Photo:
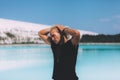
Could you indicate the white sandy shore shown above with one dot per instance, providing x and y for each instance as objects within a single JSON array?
[{"x": 12, "y": 31}]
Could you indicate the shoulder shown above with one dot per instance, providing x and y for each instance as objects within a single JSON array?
[
  {"x": 70, "y": 45},
  {"x": 69, "y": 42}
]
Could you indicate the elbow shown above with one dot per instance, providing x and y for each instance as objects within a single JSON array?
[
  {"x": 39, "y": 33},
  {"x": 77, "y": 33}
]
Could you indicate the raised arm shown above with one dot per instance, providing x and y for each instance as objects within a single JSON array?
[
  {"x": 44, "y": 35},
  {"x": 75, "y": 35}
]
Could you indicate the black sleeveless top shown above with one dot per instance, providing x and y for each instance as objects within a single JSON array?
[{"x": 65, "y": 57}]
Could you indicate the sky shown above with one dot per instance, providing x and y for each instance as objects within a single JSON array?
[{"x": 101, "y": 16}]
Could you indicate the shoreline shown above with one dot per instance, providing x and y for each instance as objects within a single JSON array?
[
  {"x": 48, "y": 45},
  {"x": 100, "y": 43}
]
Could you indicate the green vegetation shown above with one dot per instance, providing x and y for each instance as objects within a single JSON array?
[{"x": 101, "y": 38}]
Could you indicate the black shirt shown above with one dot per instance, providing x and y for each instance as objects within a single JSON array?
[{"x": 65, "y": 57}]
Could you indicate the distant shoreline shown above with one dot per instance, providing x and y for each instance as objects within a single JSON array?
[
  {"x": 46, "y": 44},
  {"x": 99, "y": 43}
]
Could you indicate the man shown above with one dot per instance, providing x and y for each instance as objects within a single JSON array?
[{"x": 64, "y": 50}]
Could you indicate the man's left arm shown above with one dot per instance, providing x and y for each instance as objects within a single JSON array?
[{"x": 75, "y": 35}]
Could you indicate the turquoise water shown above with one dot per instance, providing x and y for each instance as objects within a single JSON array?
[{"x": 35, "y": 62}]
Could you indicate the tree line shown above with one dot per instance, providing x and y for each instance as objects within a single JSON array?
[{"x": 101, "y": 38}]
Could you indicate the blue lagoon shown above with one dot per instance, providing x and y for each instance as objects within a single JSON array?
[{"x": 35, "y": 62}]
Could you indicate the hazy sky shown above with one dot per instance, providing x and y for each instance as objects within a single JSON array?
[{"x": 102, "y": 16}]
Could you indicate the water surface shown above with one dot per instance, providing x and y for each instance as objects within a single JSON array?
[{"x": 35, "y": 62}]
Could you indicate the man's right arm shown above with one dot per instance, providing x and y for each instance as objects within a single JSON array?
[{"x": 44, "y": 35}]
